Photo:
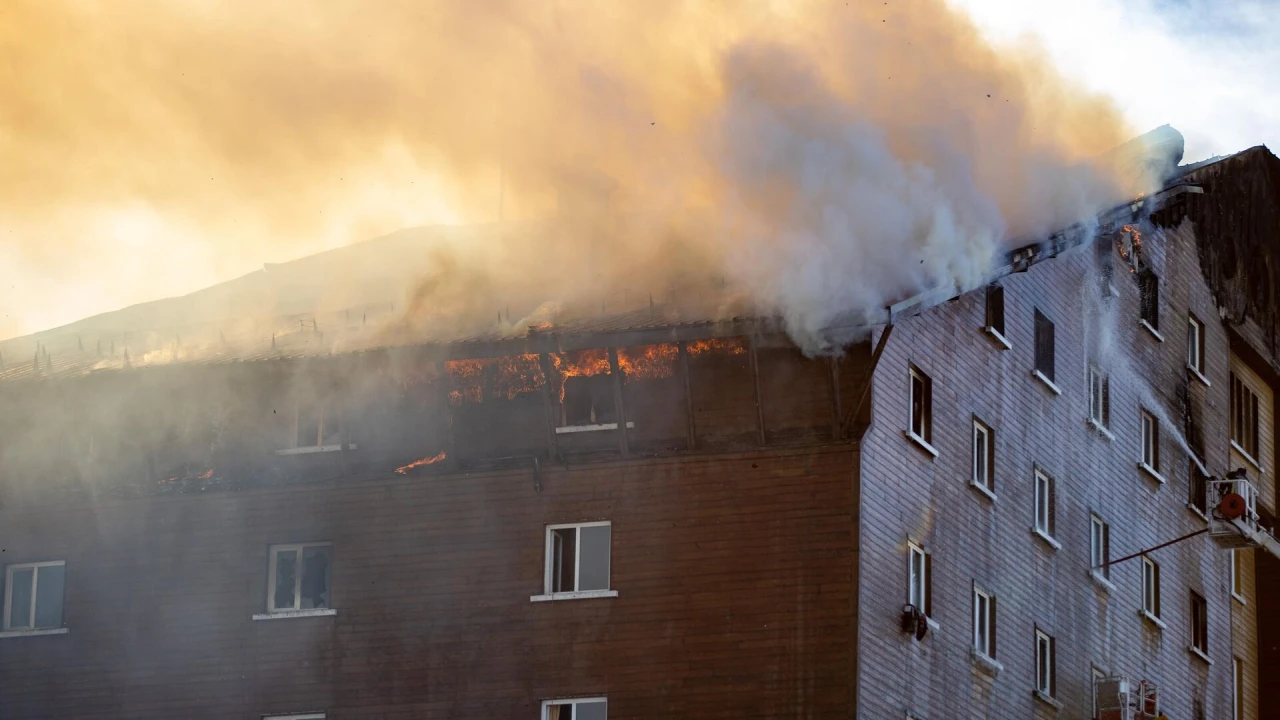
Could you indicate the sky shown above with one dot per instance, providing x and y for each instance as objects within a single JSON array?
[{"x": 1200, "y": 65}]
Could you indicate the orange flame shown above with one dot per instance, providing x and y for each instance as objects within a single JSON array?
[
  {"x": 419, "y": 463},
  {"x": 467, "y": 377},
  {"x": 731, "y": 346},
  {"x": 508, "y": 377},
  {"x": 584, "y": 363},
  {"x": 648, "y": 362},
  {"x": 1133, "y": 250},
  {"x": 519, "y": 374},
  {"x": 202, "y": 476}
]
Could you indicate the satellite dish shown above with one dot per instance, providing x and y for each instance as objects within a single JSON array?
[{"x": 1232, "y": 506}]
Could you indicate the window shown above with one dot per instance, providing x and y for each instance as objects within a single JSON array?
[
  {"x": 921, "y": 405},
  {"x": 1095, "y": 675},
  {"x": 588, "y": 400},
  {"x": 1045, "y": 681},
  {"x": 1197, "y": 488},
  {"x": 1099, "y": 546},
  {"x": 984, "y": 456},
  {"x": 984, "y": 622},
  {"x": 1149, "y": 291},
  {"x": 1150, "y": 442},
  {"x": 919, "y": 589},
  {"x": 299, "y": 577},
  {"x": 1237, "y": 582},
  {"x": 1195, "y": 344},
  {"x": 1099, "y": 397},
  {"x": 1244, "y": 417},
  {"x": 1199, "y": 623},
  {"x": 315, "y": 424},
  {"x": 1150, "y": 587},
  {"x": 578, "y": 709},
  {"x": 33, "y": 595},
  {"x": 1044, "y": 346},
  {"x": 578, "y": 558},
  {"x": 995, "y": 309},
  {"x": 1237, "y": 687},
  {"x": 304, "y": 716},
  {"x": 1044, "y": 503}
]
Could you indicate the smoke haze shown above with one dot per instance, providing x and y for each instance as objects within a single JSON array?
[{"x": 820, "y": 158}]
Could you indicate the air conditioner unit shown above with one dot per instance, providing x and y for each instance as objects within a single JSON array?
[
  {"x": 1118, "y": 698},
  {"x": 1233, "y": 512}
]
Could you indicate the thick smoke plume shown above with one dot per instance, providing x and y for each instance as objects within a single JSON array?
[{"x": 810, "y": 159}]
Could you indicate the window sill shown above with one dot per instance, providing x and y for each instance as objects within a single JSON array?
[
  {"x": 1152, "y": 619},
  {"x": 1100, "y": 429},
  {"x": 583, "y": 595},
  {"x": 287, "y": 614},
  {"x": 984, "y": 490},
  {"x": 1102, "y": 582},
  {"x": 1047, "y": 699},
  {"x": 1200, "y": 654},
  {"x": 1155, "y": 474},
  {"x": 314, "y": 449},
  {"x": 1200, "y": 376},
  {"x": 1197, "y": 512},
  {"x": 33, "y": 632},
  {"x": 924, "y": 444},
  {"x": 1239, "y": 598},
  {"x": 989, "y": 665},
  {"x": 1252, "y": 461},
  {"x": 1045, "y": 537},
  {"x": 591, "y": 428},
  {"x": 997, "y": 337},
  {"x": 1047, "y": 382},
  {"x": 1153, "y": 331}
]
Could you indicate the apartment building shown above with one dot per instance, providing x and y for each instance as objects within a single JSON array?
[{"x": 643, "y": 514}]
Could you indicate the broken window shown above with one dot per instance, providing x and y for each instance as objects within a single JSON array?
[
  {"x": 1197, "y": 487},
  {"x": 921, "y": 405},
  {"x": 995, "y": 309},
  {"x": 578, "y": 558},
  {"x": 315, "y": 425},
  {"x": 33, "y": 595},
  {"x": 299, "y": 577},
  {"x": 1044, "y": 345},
  {"x": 1199, "y": 622},
  {"x": 1149, "y": 291},
  {"x": 576, "y": 709},
  {"x": 588, "y": 400},
  {"x": 918, "y": 588}
]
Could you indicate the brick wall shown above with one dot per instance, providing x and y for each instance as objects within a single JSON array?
[
  {"x": 907, "y": 494},
  {"x": 734, "y": 575}
]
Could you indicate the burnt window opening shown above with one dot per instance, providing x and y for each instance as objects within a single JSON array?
[
  {"x": 588, "y": 400},
  {"x": 299, "y": 577},
  {"x": 1197, "y": 488},
  {"x": 1244, "y": 417},
  {"x": 1199, "y": 622},
  {"x": 1149, "y": 293},
  {"x": 315, "y": 424},
  {"x": 995, "y": 309},
  {"x": 1195, "y": 345},
  {"x": 1106, "y": 270},
  {"x": 1044, "y": 345}
]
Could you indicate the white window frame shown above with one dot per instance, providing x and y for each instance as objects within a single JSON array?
[
  {"x": 925, "y": 436},
  {"x": 984, "y": 481},
  {"x": 1099, "y": 549},
  {"x": 1195, "y": 345},
  {"x": 1043, "y": 493},
  {"x": 1150, "y": 434},
  {"x": 1099, "y": 402},
  {"x": 548, "y": 565},
  {"x": 1237, "y": 589},
  {"x": 35, "y": 594},
  {"x": 918, "y": 582},
  {"x": 1204, "y": 603},
  {"x": 982, "y": 604},
  {"x": 1247, "y": 426},
  {"x": 326, "y": 409},
  {"x": 297, "y": 579},
  {"x": 1044, "y": 663},
  {"x": 574, "y": 702},
  {"x": 1150, "y": 587}
]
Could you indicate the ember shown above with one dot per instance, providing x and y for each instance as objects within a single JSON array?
[
  {"x": 732, "y": 346},
  {"x": 648, "y": 362},
  {"x": 419, "y": 463},
  {"x": 1129, "y": 243}
]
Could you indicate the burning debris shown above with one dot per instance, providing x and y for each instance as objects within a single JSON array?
[
  {"x": 729, "y": 346},
  {"x": 648, "y": 362},
  {"x": 404, "y": 470},
  {"x": 507, "y": 378}
]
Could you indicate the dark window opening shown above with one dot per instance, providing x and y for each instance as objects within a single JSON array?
[
  {"x": 1199, "y": 623},
  {"x": 1149, "y": 290},
  {"x": 589, "y": 400},
  {"x": 1197, "y": 486},
  {"x": 921, "y": 405},
  {"x": 1044, "y": 345},
  {"x": 995, "y": 308},
  {"x": 315, "y": 425},
  {"x": 1244, "y": 417},
  {"x": 579, "y": 558},
  {"x": 301, "y": 577}
]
